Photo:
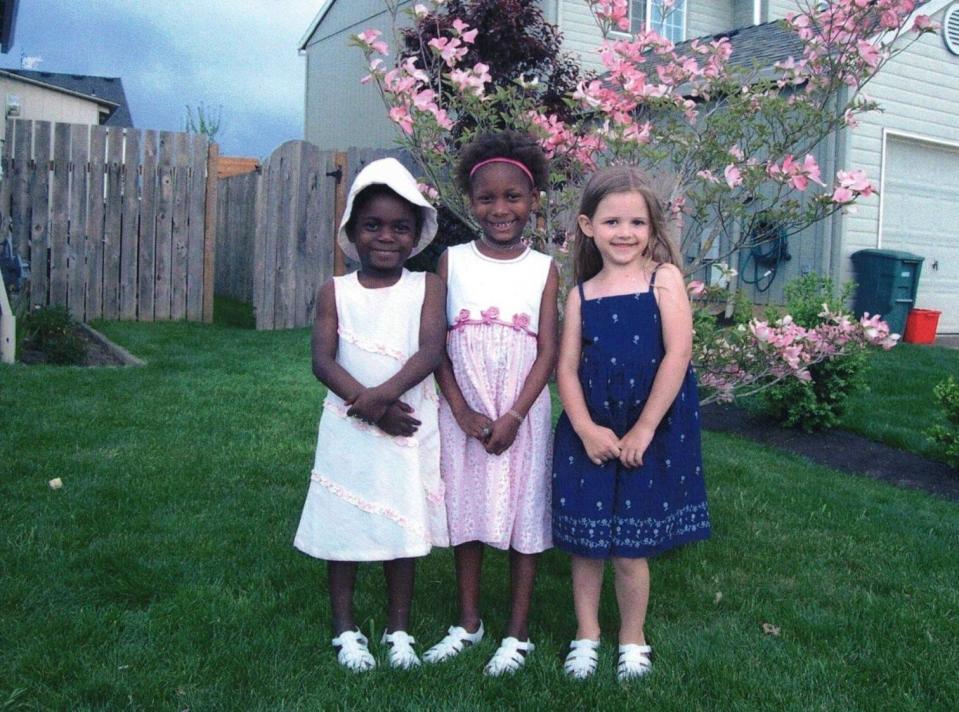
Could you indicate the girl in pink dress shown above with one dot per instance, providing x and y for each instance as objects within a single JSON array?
[{"x": 495, "y": 411}]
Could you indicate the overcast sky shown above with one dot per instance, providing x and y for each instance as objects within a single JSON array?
[{"x": 238, "y": 54}]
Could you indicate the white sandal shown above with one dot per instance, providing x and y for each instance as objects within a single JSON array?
[
  {"x": 353, "y": 652},
  {"x": 582, "y": 659},
  {"x": 455, "y": 641},
  {"x": 634, "y": 661},
  {"x": 509, "y": 657},
  {"x": 402, "y": 655}
]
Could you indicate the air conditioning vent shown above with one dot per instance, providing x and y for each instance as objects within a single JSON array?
[{"x": 950, "y": 28}]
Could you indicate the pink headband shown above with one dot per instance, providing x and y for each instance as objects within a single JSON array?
[{"x": 500, "y": 159}]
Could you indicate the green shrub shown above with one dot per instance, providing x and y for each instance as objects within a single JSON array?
[
  {"x": 820, "y": 403},
  {"x": 947, "y": 436},
  {"x": 52, "y": 332}
]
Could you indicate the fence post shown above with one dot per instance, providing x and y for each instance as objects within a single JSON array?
[
  {"x": 8, "y": 326},
  {"x": 209, "y": 231},
  {"x": 342, "y": 187}
]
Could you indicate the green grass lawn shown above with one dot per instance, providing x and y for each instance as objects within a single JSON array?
[
  {"x": 162, "y": 576},
  {"x": 899, "y": 405}
]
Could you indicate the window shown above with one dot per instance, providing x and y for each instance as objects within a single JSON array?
[{"x": 653, "y": 15}]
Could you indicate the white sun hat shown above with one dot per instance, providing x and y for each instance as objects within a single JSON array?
[{"x": 391, "y": 173}]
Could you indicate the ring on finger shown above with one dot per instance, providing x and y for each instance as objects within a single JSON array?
[{"x": 487, "y": 431}]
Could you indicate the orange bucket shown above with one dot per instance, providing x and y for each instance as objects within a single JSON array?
[{"x": 921, "y": 326}]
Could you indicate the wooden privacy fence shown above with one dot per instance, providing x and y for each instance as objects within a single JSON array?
[
  {"x": 116, "y": 223},
  {"x": 276, "y": 229}
]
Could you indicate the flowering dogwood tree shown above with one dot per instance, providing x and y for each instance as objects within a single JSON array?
[{"x": 730, "y": 145}]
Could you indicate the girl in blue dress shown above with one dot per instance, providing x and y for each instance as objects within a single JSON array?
[{"x": 627, "y": 468}]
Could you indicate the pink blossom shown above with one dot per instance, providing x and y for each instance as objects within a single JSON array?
[
  {"x": 401, "y": 115},
  {"x": 733, "y": 176},
  {"x": 368, "y": 38},
  {"x": 842, "y": 196},
  {"x": 428, "y": 190},
  {"x": 868, "y": 53},
  {"x": 922, "y": 23},
  {"x": 451, "y": 50},
  {"x": 696, "y": 287}
]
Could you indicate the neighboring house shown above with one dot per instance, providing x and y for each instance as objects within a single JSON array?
[
  {"x": 68, "y": 98},
  {"x": 910, "y": 150}
]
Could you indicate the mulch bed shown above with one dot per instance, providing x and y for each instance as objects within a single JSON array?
[
  {"x": 839, "y": 450},
  {"x": 100, "y": 351}
]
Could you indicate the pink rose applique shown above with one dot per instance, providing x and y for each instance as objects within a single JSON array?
[
  {"x": 521, "y": 321},
  {"x": 464, "y": 315},
  {"x": 490, "y": 315}
]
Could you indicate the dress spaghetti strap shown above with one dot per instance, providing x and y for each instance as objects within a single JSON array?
[
  {"x": 582, "y": 297},
  {"x": 652, "y": 277}
]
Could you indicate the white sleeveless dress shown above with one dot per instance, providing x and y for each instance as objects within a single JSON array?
[
  {"x": 493, "y": 320},
  {"x": 373, "y": 496}
]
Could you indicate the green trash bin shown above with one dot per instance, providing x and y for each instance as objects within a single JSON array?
[{"x": 886, "y": 284}]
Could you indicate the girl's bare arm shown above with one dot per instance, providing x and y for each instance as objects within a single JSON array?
[
  {"x": 601, "y": 443},
  {"x": 324, "y": 345},
  {"x": 476, "y": 425}
]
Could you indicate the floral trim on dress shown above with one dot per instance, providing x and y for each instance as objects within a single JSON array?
[
  {"x": 371, "y": 346},
  {"x": 369, "y": 507},
  {"x": 341, "y": 410},
  {"x": 490, "y": 316},
  {"x": 646, "y": 533}
]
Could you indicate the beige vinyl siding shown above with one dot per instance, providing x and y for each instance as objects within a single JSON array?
[
  {"x": 43, "y": 104},
  {"x": 707, "y": 17},
  {"x": 581, "y": 36},
  {"x": 340, "y": 112},
  {"x": 919, "y": 92},
  {"x": 778, "y": 9}
]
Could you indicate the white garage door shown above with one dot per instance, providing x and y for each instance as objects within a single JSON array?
[{"x": 920, "y": 214}]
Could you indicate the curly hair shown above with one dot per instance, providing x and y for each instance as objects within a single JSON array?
[
  {"x": 502, "y": 144},
  {"x": 587, "y": 261}
]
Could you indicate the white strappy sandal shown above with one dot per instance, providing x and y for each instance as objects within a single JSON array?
[
  {"x": 582, "y": 659},
  {"x": 402, "y": 655},
  {"x": 634, "y": 661},
  {"x": 455, "y": 641},
  {"x": 509, "y": 657},
  {"x": 353, "y": 652}
]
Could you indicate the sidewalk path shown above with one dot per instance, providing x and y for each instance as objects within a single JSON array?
[{"x": 839, "y": 450}]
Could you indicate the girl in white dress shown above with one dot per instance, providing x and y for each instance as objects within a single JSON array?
[{"x": 375, "y": 490}]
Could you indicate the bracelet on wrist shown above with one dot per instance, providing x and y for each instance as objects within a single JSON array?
[{"x": 516, "y": 415}]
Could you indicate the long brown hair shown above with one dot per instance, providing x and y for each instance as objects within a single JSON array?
[{"x": 587, "y": 262}]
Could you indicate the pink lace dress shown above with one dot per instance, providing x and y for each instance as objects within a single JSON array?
[
  {"x": 373, "y": 496},
  {"x": 493, "y": 315}
]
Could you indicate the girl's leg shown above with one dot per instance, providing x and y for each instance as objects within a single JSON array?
[
  {"x": 342, "y": 581},
  {"x": 469, "y": 564},
  {"x": 632, "y": 594},
  {"x": 400, "y": 576},
  {"x": 587, "y": 586},
  {"x": 522, "y": 575}
]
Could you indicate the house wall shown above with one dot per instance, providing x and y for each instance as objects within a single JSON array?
[
  {"x": 582, "y": 36},
  {"x": 340, "y": 112},
  {"x": 48, "y": 105},
  {"x": 919, "y": 93},
  {"x": 777, "y": 9}
]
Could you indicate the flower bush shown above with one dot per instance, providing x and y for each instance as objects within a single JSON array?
[
  {"x": 729, "y": 145},
  {"x": 947, "y": 435},
  {"x": 818, "y": 402}
]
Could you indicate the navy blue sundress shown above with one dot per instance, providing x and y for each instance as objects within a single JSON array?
[{"x": 608, "y": 510}]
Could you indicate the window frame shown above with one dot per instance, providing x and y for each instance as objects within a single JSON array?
[{"x": 647, "y": 21}]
